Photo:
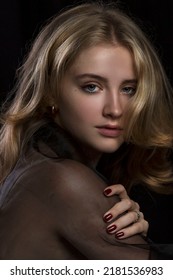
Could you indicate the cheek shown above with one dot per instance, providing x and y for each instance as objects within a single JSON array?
[
  {"x": 73, "y": 112},
  {"x": 125, "y": 101},
  {"x": 84, "y": 110}
]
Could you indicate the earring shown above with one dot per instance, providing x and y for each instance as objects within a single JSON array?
[{"x": 54, "y": 110}]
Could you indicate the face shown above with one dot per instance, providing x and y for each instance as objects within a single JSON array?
[{"x": 96, "y": 90}]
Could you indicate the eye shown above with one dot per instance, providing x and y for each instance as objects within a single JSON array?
[
  {"x": 91, "y": 88},
  {"x": 130, "y": 90}
]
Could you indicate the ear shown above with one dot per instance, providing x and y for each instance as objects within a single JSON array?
[{"x": 50, "y": 103}]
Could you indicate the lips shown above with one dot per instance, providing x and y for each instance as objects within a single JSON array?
[{"x": 110, "y": 131}]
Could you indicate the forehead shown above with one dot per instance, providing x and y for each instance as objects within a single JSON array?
[{"x": 103, "y": 59}]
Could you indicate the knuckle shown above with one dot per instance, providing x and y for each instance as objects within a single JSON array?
[
  {"x": 143, "y": 226},
  {"x": 129, "y": 203},
  {"x": 137, "y": 206},
  {"x": 121, "y": 187},
  {"x": 116, "y": 189},
  {"x": 146, "y": 224},
  {"x": 141, "y": 215}
]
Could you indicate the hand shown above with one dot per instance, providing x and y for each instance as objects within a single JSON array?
[{"x": 125, "y": 218}]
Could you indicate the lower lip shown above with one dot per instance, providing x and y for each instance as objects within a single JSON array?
[{"x": 110, "y": 132}]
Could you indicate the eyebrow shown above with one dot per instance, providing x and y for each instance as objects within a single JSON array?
[
  {"x": 130, "y": 81},
  {"x": 98, "y": 77},
  {"x": 90, "y": 75}
]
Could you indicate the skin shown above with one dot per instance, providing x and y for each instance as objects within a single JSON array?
[
  {"x": 120, "y": 227},
  {"x": 100, "y": 84},
  {"x": 62, "y": 200},
  {"x": 96, "y": 91}
]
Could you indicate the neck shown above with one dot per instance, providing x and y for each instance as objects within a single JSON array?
[
  {"x": 89, "y": 157},
  {"x": 64, "y": 145}
]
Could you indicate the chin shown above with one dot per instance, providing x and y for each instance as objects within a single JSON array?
[{"x": 111, "y": 149}]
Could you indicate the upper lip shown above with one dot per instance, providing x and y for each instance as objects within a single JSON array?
[{"x": 110, "y": 126}]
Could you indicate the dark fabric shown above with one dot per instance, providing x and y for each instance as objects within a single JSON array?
[{"x": 52, "y": 208}]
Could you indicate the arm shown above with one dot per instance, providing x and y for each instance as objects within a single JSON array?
[
  {"x": 54, "y": 207},
  {"x": 78, "y": 201},
  {"x": 125, "y": 216}
]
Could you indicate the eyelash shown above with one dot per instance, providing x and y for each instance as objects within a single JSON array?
[
  {"x": 125, "y": 89},
  {"x": 133, "y": 89},
  {"x": 86, "y": 88}
]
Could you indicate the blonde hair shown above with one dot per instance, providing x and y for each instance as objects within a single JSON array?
[{"x": 55, "y": 49}]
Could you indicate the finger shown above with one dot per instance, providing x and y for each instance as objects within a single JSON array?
[
  {"x": 135, "y": 228},
  {"x": 121, "y": 192},
  {"x": 116, "y": 189},
  {"x": 120, "y": 208},
  {"x": 135, "y": 206},
  {"x": 125, "y": 221}
]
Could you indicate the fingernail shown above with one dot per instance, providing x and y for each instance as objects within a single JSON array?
[
  {"x": 120, "y": 234},
  {"x": 107, "y": 191},
  {"x": 111, "y": 228},
  {"x": 107, "y": 217}
]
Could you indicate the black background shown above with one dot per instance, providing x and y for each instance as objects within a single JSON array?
[{"x": 21, "y": 20}]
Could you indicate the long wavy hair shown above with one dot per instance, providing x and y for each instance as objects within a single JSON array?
[{"x": 149, "y": 118}]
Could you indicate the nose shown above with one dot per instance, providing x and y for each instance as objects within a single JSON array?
[{"x": 113, "y": 107}]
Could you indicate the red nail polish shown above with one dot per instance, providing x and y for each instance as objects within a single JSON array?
[
  {"x": 120, "y": 234},
  {"x": 107, "y": 217},
  {"x": 107, "y": 191},
  {"x": 111, "y": 228}
]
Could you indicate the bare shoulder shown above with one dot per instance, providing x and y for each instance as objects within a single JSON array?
[
  {"x": 68, "y": 183},
  {"x": 61, "y": 178},
  {"x": 75, "y": 174},
  {"x": 65, "y": 188},
  {"x": 77, "y": 189}
]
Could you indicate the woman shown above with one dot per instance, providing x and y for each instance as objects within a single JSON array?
[{"x": 77, "y": 90}]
